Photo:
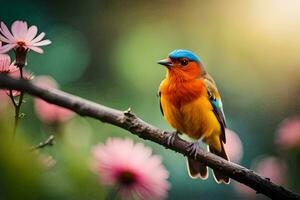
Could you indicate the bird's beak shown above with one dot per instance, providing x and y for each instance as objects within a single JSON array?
[{"x": 166, "y": 62}]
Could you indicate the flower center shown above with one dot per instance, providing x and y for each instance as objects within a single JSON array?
[
  {"x": 21, "y": 43},
  {"x": 127, "y": 178}
]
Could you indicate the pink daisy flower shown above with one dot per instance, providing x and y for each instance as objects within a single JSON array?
[
  {"x": 21, "y": 36},
  {"x": 132, "y": 169},
  {"x": 46, "y": 112},
  {"x": 288, "y": 134}
]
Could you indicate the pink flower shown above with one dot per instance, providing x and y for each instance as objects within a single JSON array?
[
  {"x": 132, "y": 169},
  {"x": 233, "y": 146},
  {"x": 288, "y": 134},
  {"x": 22, "y": 36},
  {"x": 5, "y": 63},
  {"x": 46, "y": 112}
]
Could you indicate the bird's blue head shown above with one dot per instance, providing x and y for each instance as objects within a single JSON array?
[
  {"x": 181, "y": 53},
  {"x": 183, "y": 63}
]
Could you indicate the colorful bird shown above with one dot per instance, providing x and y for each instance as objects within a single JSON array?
[{"x": 191, "y": 103}]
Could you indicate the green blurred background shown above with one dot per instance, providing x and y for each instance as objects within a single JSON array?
[{"x": 106, "y": 51}]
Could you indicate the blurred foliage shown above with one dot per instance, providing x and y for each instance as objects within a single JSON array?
[{"x": 106, "y": 51}]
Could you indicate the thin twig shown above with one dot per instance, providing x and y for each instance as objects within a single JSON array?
[
  {"x": 48, "y": 142},
  {"x": 128, "y": 121}
]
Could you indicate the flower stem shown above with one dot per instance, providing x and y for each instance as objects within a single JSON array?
[
  {"x": 17, "y": 105},
  {"x": 17, "y": 110}
]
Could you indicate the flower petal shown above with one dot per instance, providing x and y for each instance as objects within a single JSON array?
[
  {"x": 16, "y": 28},
  {"x": 31, "y": 33},
  {"x": 13, "y": 68},
  {"x": 7, "y": 47},
  {"x": 42, "y": 43},
  {"x": 19, "y": 29},
  {"x": 6, "y": 33},
  {"x": 4, "y": 39},
  {"x": 38, "y": 38},
  {"x": 36, "y": 49},
  {"x": 4, "y": 63},
  {"x": 24, "y": 30}
]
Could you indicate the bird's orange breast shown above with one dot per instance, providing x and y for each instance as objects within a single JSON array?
[{"x": 187, "y": 108}]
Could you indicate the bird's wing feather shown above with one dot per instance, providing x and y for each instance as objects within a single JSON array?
[
  {"x": 161, "y": 109},
  {"x": 216, "y": 102}
]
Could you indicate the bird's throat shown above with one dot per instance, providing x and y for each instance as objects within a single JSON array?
[{"x": 179, "y": 90}]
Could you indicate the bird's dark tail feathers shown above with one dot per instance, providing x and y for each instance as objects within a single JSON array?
[
  {"x": 219, "y": 177},
  {"x": 197, "y": 169}
]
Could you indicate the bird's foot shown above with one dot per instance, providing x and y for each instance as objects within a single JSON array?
[
  {"x": 171, "y": 137},
  {"x": 192, "y": 149}
]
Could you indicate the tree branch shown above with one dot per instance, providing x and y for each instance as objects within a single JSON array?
[
  {"x": 48, "y": 142},
  {"x": 128, "y": 121}
]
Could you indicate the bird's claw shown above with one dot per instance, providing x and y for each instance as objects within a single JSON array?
[
  {"x": 192, "y": 149},
  {"x": 171, "y": 137}
]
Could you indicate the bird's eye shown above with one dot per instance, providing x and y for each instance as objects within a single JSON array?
[{"x": 184, "y": 62}]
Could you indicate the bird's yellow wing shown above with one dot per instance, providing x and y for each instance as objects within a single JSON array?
[{"x": 216, "y": 102}]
